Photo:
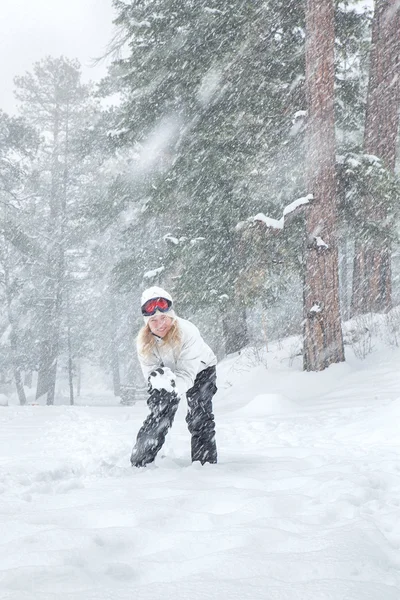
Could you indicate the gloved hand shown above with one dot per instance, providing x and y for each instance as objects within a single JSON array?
[{"x": 162, "y": 378}]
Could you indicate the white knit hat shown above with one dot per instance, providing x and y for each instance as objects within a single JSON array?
[{"x": 157, "y": 292}]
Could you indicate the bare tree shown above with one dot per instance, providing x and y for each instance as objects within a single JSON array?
[
  {"x": 323, "y": 342},
  {"x": 372, "y": 280}
]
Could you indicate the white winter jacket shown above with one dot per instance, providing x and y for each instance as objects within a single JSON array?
[{"x": 193, "y": 357}]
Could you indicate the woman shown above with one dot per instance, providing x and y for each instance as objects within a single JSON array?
[{"x": 176, "y": 362}]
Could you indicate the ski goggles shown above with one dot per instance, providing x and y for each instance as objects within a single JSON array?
[{"x": 150, "y": 307}]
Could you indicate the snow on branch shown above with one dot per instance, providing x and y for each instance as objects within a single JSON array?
[
  {"x": 320, "y": 242},
  {"x": 154, "y": 273},
  {"x": 212, "y": 10},
  {"x": 170, "y": 238},
  {"x": 275, "y": 223},
  {"x": 271, "y": 223},
  {"x": 316, "y": 308},
  {"x": 296, "y": 203}
]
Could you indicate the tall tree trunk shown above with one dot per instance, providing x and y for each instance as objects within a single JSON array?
[
  {"x": 52, "y": 288},
  {"x": 372, "y": 278},
  {"x": 344, "y": 279},
  {"x": 235, "y": 334},
  {"x": 52, "y": 317},
  {"x": 64, "y": 220},
  {"x": 70, "y": 357},
  {"x": 323, "y": 342},
  {"x": 234, "y": 325},
  {"x": 115, "y": 367},
  {"x": 28, "y": 379},
  {"x": 14, "y": 337},
  {"x": 79, "y": 378},
  {"x": 56, "y": 261}
]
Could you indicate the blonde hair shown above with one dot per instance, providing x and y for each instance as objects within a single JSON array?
[{"x": 147, "y": 341}]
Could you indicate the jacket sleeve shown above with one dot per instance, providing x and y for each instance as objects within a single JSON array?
[
  {"x": 189, "y": 362},
  {"x": 147, "y": 364}
]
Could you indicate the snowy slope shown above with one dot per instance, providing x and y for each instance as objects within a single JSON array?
[{"x": 303, "y": 505}]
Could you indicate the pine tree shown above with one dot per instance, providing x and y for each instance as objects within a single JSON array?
[
  {"x": 55, "y": 102},
  {"x": 18, "y": 145},
  {"x": 372, "y": 281},
  {"x": 213, "y": 104},
  {"x": 220, "y": 82}
]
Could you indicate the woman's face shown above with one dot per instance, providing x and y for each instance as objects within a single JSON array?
[{"x": 160, "y": 324}]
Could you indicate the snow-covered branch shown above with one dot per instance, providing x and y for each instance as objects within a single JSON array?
[
  {"x": 275, "y": 223},
  {"x": 154, "y": 273}
]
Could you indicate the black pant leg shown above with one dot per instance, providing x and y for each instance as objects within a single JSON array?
[
  {"x": 151, "y": 436},
  {"x": 200, "y": 418}
]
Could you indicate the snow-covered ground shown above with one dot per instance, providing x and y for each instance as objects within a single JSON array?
[{"x": 303, "y": 505}]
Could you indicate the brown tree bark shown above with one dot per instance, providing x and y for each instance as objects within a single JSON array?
[
  {"x": 372, "y": 280},
  {"x": 323, "y": 342}
]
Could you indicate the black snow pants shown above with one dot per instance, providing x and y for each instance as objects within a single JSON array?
[{"x": 200, "y": 419}]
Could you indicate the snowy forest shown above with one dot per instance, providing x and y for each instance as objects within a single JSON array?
[
  {"x": 241, "y": 155},
  {"x": 244, "y": 157}
]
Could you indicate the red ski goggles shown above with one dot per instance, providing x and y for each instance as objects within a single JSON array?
[{"x": 150, "y": 307}]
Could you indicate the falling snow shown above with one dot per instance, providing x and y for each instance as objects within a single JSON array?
[{"x": 206, "y": 159}]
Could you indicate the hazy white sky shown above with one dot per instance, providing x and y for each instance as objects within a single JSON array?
[{"x": 33, "y": 29}]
